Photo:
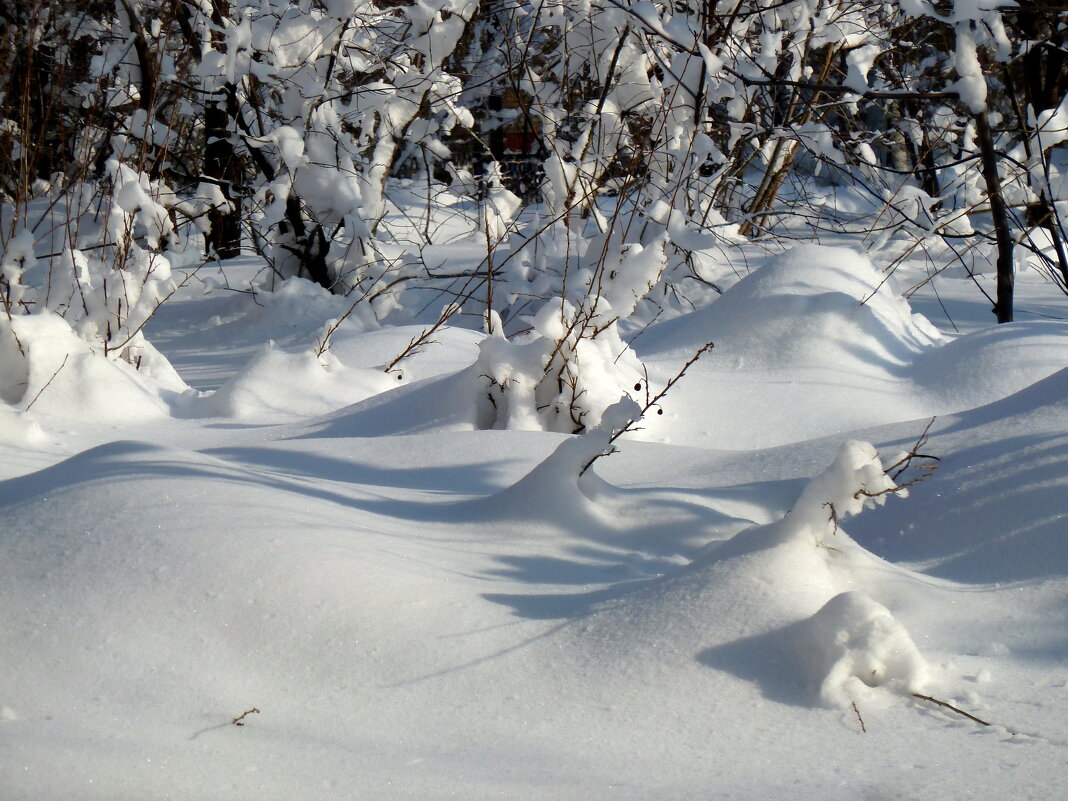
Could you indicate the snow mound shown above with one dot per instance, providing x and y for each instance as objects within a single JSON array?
[
  {"x": 993, "y": 512},
  {"x": 439, "y": 403},
  {"x": 313, "y": 385},
  {"x": 447, "y": 350},
  {"x": 19, "y": 428},
  {"x": 815, "y": 343},
  {"x": 853, "y": 481},
  {"x": 786, "y": 605},
  {"x": 59, "y": 372},
  {"x": 1042, "y": 405},
  {"x": 196, "y": 600},
  {"x": 853, "y": 645},
  {"x": 991, "y": 363},
  {"x": 813, "y": 305},
  {"x": 562, "y": 486}
]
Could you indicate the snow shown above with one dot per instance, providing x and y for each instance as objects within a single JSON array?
[
  {"x": 739, "y": 603},
  {"x": 971, "y": 86}
]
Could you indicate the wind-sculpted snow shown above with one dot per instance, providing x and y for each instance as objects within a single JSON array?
[
  {"x": 421, "y": 608},
  {"x": 817, "y": 342},
  {"x": 795, "y": 592},
  {"x": 996, "y": 511},
  {"x": 988, "y": 365},
  {"x": 441, "y": 403},
  {"x": 811, "y": 306}
]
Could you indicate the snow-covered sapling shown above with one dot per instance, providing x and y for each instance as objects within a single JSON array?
[{"x": 651, "y": 402}]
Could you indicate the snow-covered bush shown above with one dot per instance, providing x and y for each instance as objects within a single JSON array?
[
  {"x": 818, "y": 588},
  {"x": 723, "y": 112},
  {"x": 657, "y": 130},
  {"x": 853, "y": 642},
  {"x": 101, "y": 244},
  {"x": 854, "y": 645},
  {"x": 325, "y": 97},
  {"x": 559, "y": 377}
]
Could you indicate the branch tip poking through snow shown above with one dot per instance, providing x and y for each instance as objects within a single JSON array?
[
  {"x": 853, "y": 643},
  {"x": 854, "y": 480}
]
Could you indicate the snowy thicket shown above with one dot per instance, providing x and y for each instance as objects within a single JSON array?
[
  {"x": 144, "y": 138},
  {"x": 648, "y": 132},
  {"x": 434, "y": 398}
]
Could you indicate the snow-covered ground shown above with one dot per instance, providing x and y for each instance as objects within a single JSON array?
[{"x": 413, "y": 608}]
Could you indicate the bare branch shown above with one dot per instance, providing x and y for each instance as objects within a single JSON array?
[
  {"x": 950, "y": 706},
  {"x": 649, "y": 404}
]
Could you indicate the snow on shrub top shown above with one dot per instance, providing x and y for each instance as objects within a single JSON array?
[
  {"x": 560, "y": 377},
  {"x": 60, "y": 372},
  {"x": 854, "y": 480},
  {"x": 795, "y": 605}
]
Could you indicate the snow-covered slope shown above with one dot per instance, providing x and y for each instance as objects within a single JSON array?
[{"x": 419, "y": 609}]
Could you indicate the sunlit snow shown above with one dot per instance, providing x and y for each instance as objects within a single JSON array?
[{"x": 420, "y": 601}]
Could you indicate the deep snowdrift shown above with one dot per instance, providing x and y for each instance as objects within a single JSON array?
[
  {"x": 818, "y": 342},
  {"x": 420, "y": 609}
]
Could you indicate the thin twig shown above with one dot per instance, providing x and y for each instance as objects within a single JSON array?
[
  {"x": 49, "y": 381},
  {"x": 649, "y": 404},
  {"x": 424, "y": 337},
  {"x": 832, "y": 516},
  {"x": 324, "y": 343},
  {"x": 863, "y": 728},
  {"x": 902, "y": 464},
  {"x": 947, "y": 705},
  {"x": 899, "y": 467},
  {"x": 239, "y": 720}
]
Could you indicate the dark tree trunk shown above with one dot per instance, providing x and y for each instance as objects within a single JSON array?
[
  {"x": 223, "y": 167},
  {"x": 1044, "y": 70},
  {"x": 1000, "y": 215},
  {"x": 221, "y": 163}
]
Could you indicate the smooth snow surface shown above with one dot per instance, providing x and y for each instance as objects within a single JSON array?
[
  {"x": 737, "y": 605},
  {"x": 818, "y": 342}
]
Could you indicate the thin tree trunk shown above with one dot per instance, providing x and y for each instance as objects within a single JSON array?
[
  {"x": 1000, "y": 215},
  {"x": 222, "y": 165},
  {"x": 221, "y": 162}
]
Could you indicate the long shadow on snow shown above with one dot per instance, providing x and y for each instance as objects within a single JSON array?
[
  {"x": 603, "y": 540},
  {"x": 590, "y": 565},
  {"x": 467, "y": 480},
  {"x": 608, "y": 550},
  {"x": 510, "y": 511},
  {"x": 1047, "y": 398},
  {"x": 613, "y": 558},
  {"x": 138, "y": 460},
  {"x": 596, "y": 561},
  {"x": 623, "y": 555},
  {"x": 990, "y": 513},
  {"x": 611, "y": 553},
  {"x": 103, "y": 464},
  {"x": 767, "y": 661},
  {"x": 626, "y": 552},
  {"x": 566, "y": 606}
]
